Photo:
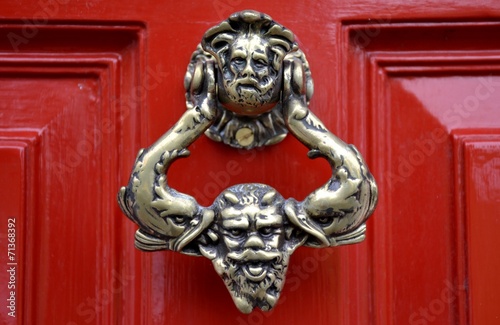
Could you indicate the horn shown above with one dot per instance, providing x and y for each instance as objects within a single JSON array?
[
  {"x": 268, "y": 198},
  {"x": 231, "y": 197}
]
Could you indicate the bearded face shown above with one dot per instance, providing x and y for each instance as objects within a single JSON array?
[
  {"x": 251, "y": 252},
  {"x": 250, "y": 80}
]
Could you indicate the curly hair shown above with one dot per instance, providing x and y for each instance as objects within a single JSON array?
[
  {"x": 241, "y": 195},
  {"x": 218, "y": 39}
]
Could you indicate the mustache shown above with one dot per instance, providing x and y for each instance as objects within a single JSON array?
[
  {"x": 247, "y": 81},
  {"x": 261, "y": 86},
  {"x": 250, "y": 255}
]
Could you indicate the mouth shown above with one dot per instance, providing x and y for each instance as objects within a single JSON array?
[
  {"x": 255, "y": 271},
  {"x": 246, "y": 88}
]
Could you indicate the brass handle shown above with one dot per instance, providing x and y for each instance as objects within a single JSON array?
[{"x": 248, "y": 73}]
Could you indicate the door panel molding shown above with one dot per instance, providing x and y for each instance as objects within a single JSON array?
[
  {"x": 90, "y": 128},
  {"x": 386, "y": 65}
]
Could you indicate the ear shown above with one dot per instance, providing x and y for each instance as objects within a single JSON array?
[
  {"x": 304, "y": 227},
  {"x": 295, "y": 236},
  {"x": 187, "y": 242},
  {"x": 300, "y": 67},
  {"x": 208, "y": 243}
]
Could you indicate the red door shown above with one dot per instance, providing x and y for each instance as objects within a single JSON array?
[{"x": 85, "y": 84}]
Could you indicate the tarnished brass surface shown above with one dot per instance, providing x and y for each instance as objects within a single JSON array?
[
  {"x": 248, "y": 50},
  {"x": 250, "y": 231}
]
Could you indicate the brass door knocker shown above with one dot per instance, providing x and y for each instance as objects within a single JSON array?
[{"x": 247, "y": 85}]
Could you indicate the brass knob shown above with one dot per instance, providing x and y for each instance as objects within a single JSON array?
[{"x": 247, "y": 85}]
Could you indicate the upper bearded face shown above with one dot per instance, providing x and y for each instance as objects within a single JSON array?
[{"x": 250, "y": 81}]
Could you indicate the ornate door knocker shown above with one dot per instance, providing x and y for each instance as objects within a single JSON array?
[{"x": 247, "y": 85}]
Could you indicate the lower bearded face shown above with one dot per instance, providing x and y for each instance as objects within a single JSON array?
[
  {"x": 253, "y": 278},
  {"x": 249, "y": 93}
]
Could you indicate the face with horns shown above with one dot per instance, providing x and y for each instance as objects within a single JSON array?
[{"x": 250, "y": 246}]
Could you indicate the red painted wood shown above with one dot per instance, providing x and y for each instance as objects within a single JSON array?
[
  {"x": 13, "y": 162},
  {"x": 85, "y": 84},
  {"x": 482, "y": 163},
  {"x": 69, "y": 106}
]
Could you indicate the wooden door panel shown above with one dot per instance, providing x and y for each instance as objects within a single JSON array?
[
  {"x": 63, "y": 105},
  {"x": 480, "y": 165},
  {"x": 434, "y": 82},
  {"x": 13, "y": 162}
]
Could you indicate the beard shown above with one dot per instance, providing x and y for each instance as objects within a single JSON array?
[
  {"x": 250, "y": 92},
  {"x": 253, "y": 278}
]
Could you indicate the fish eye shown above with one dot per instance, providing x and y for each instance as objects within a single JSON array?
[
  {"x": 179, "y": 220},
  {"x": 324, "y": 221}
]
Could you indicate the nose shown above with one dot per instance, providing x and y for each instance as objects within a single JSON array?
[
  {"x": 254, "y": 241},
  {"x": 248, "y": 71}
]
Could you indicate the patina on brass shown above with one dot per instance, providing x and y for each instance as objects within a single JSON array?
[{"x": 252, "y": 78}]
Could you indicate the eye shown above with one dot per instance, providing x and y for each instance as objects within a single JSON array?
[
  {"x": 238, "y": 61},
  {"x": 324, "y": 221},
  {"x": 236, "y": 232},
  {"x": 260, "y": 63},
  {"x": 179, "y": 220},
  {"x": 266, "y": 230}
]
